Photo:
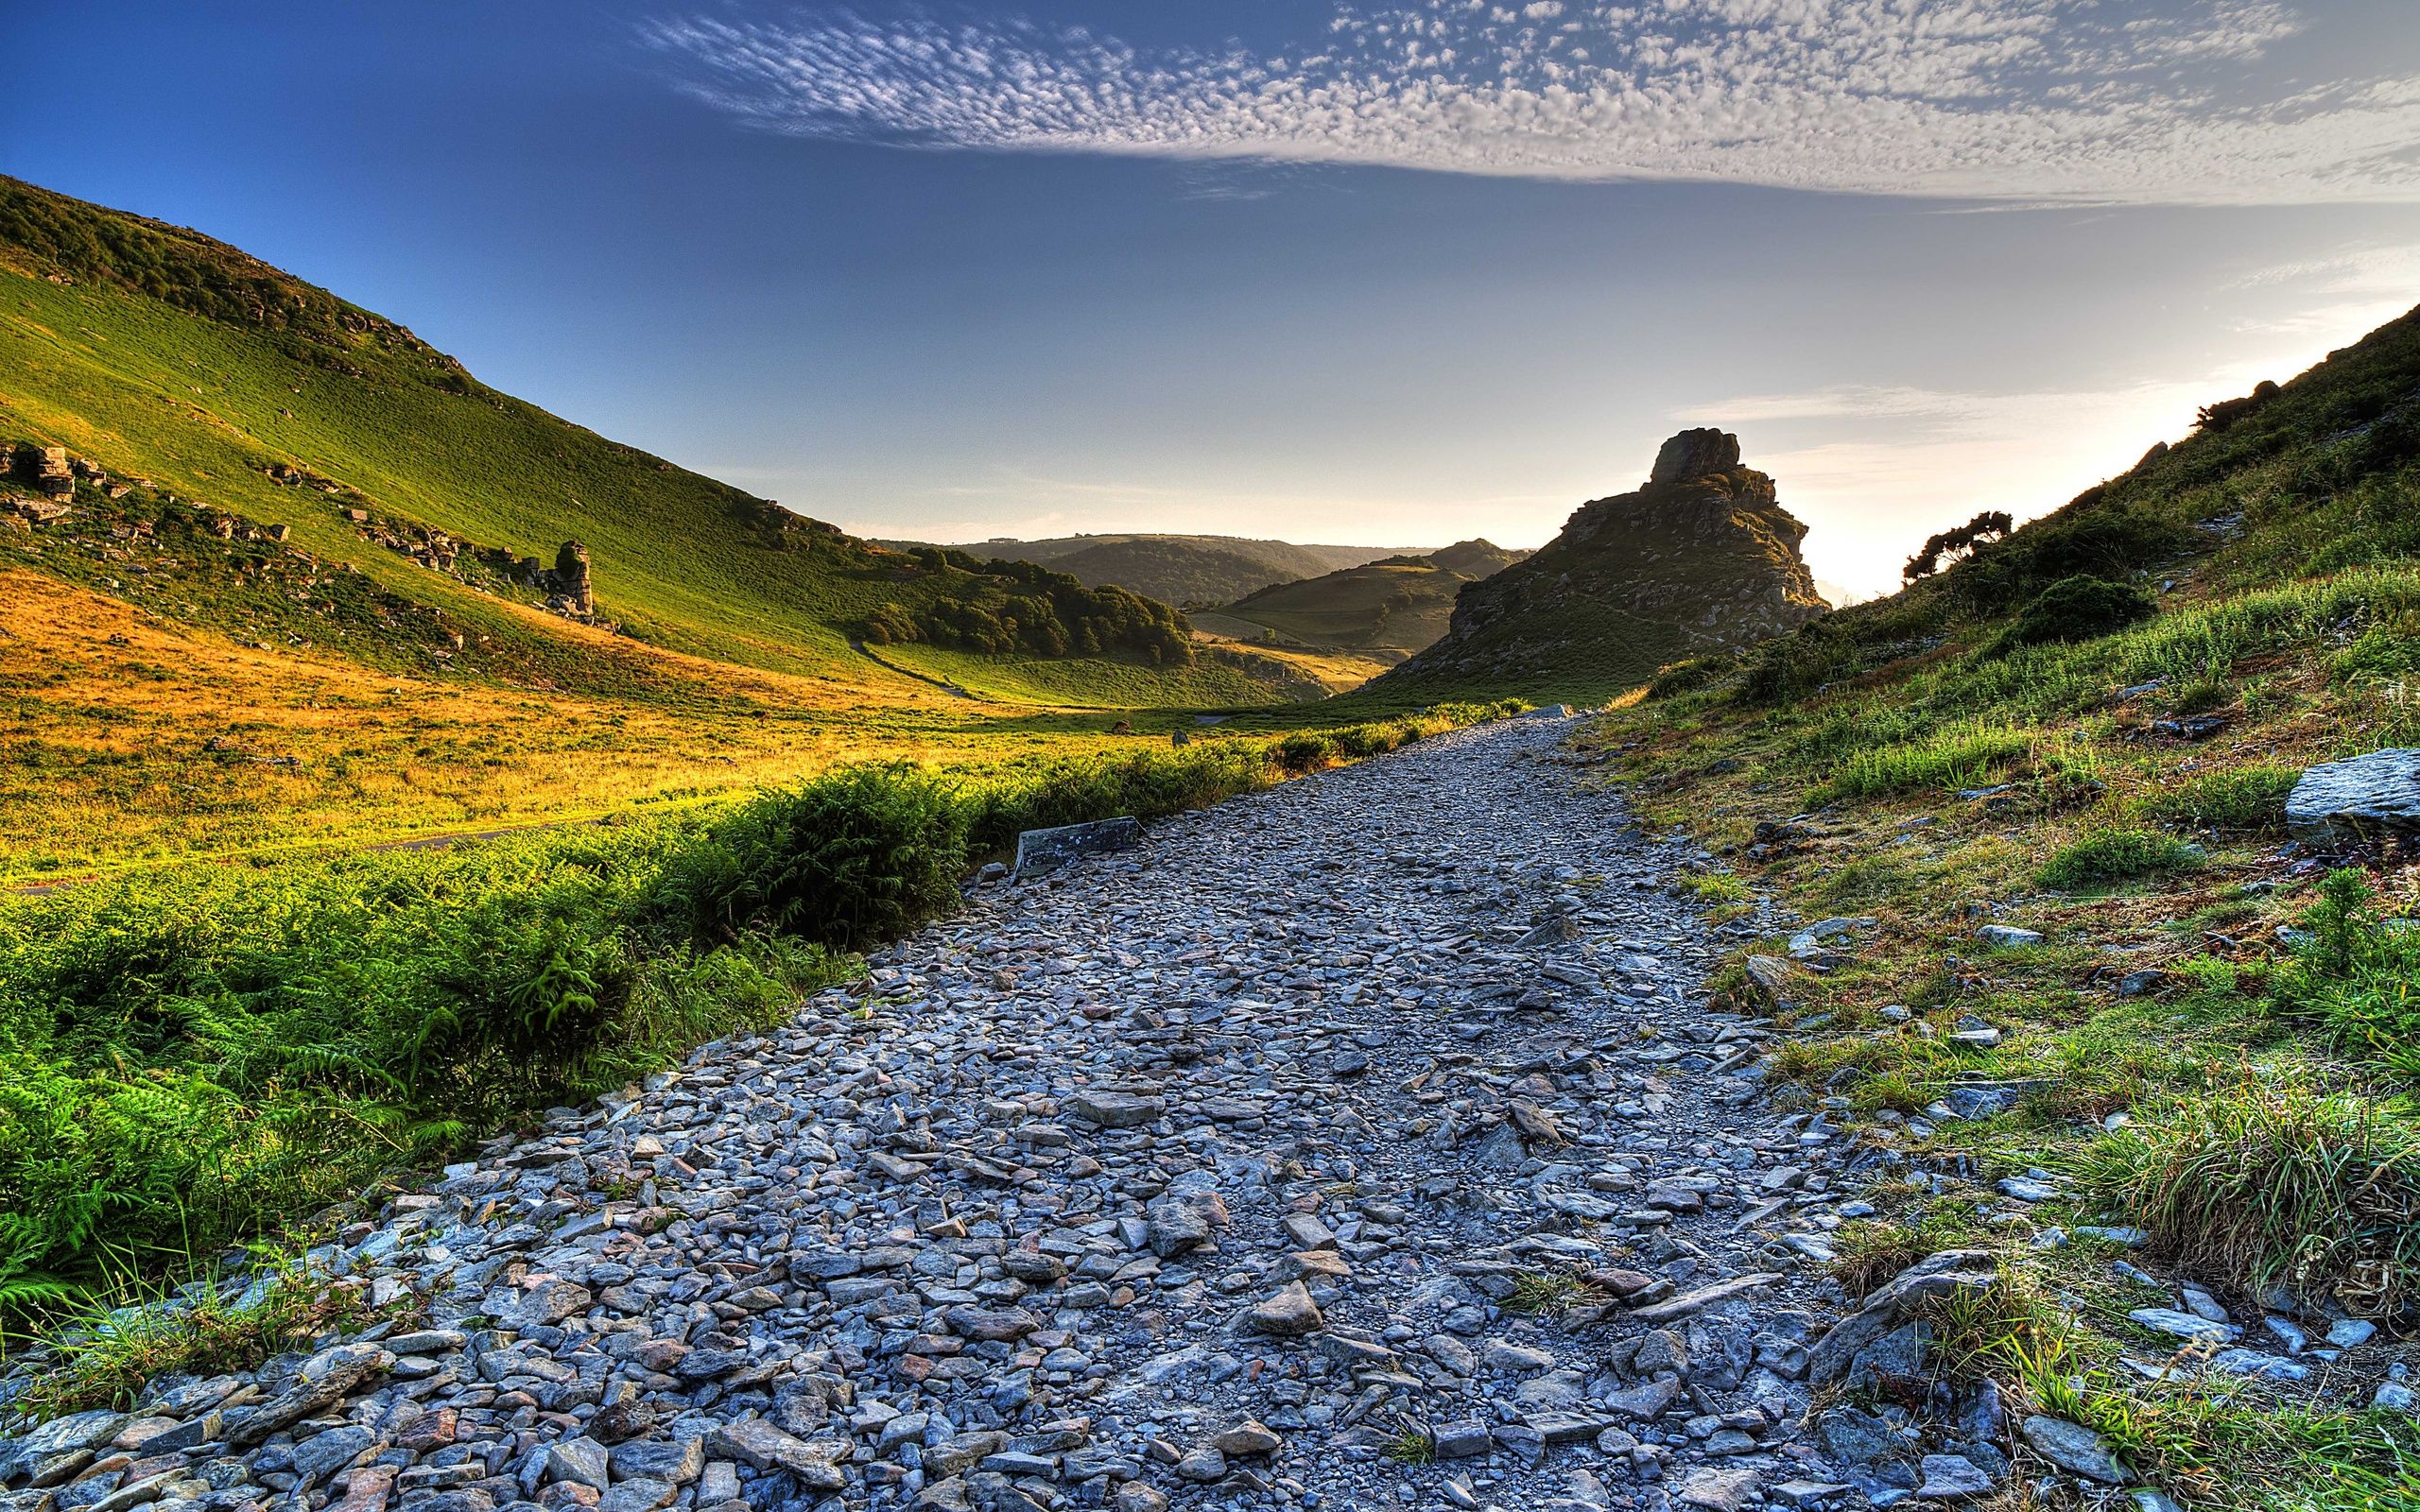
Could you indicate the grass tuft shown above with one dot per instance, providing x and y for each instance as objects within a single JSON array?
[
  {"x": 2269, "y": 1183},
  {"x": 2103, "y": 858}
]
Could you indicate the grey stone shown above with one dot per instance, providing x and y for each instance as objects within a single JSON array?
[
  {"x": 1041, "y": 851},
  {"x": 324, "y": 1380},
  {"x": 679, "y": 1461},
  {"x": 1460, "y": 1438},
  {"x": 2184, "y": 1325},
  {"x": 582, "y": 1461},
  {"x": 1719, "y": 1490},
  {"x": 322, "y": 1455},
  {"x": 1951, "y": 1478},
  {"x": 2008, "y": 937},
  {"x": 2074, "y": 1448},
  {"x": 2360, "y": 799},
  {"x": 1113, "y": 1110}
]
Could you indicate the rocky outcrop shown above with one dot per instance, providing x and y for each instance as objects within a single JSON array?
[
  {"x": 570, "y": 581},
  {"x": 1702, "y": 558},
  {"x": 1694, "y": 455}
]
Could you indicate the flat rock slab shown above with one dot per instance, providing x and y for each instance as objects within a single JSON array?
[
  {"x": 1041, "y": 851},
  {"x": 2361, "y": 799}
]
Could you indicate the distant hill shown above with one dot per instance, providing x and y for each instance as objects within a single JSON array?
[
  {"x": 1702, "y": 558},
  {"x": 239, "y": 450},
  {"x": 1388, "y": 608},
  {"x": 1187, "y": 571}
]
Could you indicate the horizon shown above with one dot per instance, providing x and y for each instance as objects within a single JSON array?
[{"x": 966, "y": 273}]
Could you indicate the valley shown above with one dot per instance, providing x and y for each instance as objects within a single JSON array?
[{"x": 1142, "y": 1021}]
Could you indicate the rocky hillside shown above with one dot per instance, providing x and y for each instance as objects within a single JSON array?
[
  {"x": 1702, "y": 558},
  {"x": 1387, "y": 609}
]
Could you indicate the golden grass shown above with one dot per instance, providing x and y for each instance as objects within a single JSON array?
[{"x": 125, "y": 738}]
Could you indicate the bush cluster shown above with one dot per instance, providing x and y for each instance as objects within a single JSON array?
[
  {"x": 2081, "y": 608},
  {"x": 2107, "y": 856},
  {"x": 1004, "y": 606}
]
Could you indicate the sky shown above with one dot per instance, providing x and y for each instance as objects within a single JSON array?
[{"x": 1387, "y": 274}]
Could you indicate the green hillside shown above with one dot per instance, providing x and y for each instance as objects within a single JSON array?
[
  {"x": 1390, "y": 608},
  {"x": 218, "y": 387},
  {"x": 1187, "y": 571},
  {"x": 2040, "y": 798}
]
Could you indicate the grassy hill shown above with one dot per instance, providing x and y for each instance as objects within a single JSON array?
[
  {"x": 2086, "y": 732},
  {"x": 273, "y": 478},
  {"x": 1187, "y": 571},
  {"x": 1385, "y": 609}
]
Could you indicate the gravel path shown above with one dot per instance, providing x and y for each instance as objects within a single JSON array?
[{"x": 1363, "y": 1144}]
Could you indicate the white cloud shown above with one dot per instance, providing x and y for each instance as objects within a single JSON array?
[
  {"x": 2037, "y": 100},
  {"x": 2354, "y": 290}
]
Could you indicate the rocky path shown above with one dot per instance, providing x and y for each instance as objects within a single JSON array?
[{"x": 1365, "y": 1144}]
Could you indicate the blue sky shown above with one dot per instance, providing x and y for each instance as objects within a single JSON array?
[{"x": 1395, "y": 274}]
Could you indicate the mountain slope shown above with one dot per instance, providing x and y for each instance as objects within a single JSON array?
[
  {"x": 210, "y": 386},
  {"x": 1702, "y": 558},
  {"x": 1390, "y": 608},
  {"x": 1187, "y": 571}
]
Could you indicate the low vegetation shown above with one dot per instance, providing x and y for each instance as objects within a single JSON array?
[{"x": 196, "y": 1056}]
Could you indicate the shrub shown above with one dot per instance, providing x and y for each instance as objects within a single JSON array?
[
  {"x": 862, "y": 855},
  {"x": 2273, "y": 1184},
  {"x": 2076, "y": 609},
  {"x": 2355, "y": 974},
  {"x": 1690, "y": 676},
  {"x": 2087, "y": 538},
  {"x": 1302, "y": 752},
  {"x": 2106, "y": 856},
  {"x": 1958, "y": 543}
]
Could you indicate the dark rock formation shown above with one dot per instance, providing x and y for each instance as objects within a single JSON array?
[
  {"x": 1693, "y": 455},
  {"x": 1702, "y": 558},
  {"x": 570, "y": 581}
]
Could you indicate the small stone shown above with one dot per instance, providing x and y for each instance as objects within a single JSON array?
[
  {"x": 1116, "y": 1109},
  {"x": 1952, "y": 1477},
  {"x": 1248, "y": 1439},
  {"x": 1719, "y": 1490},
  {"x": 1291, "y": 1313},
  {"x": 2074, "y": 1448}
]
